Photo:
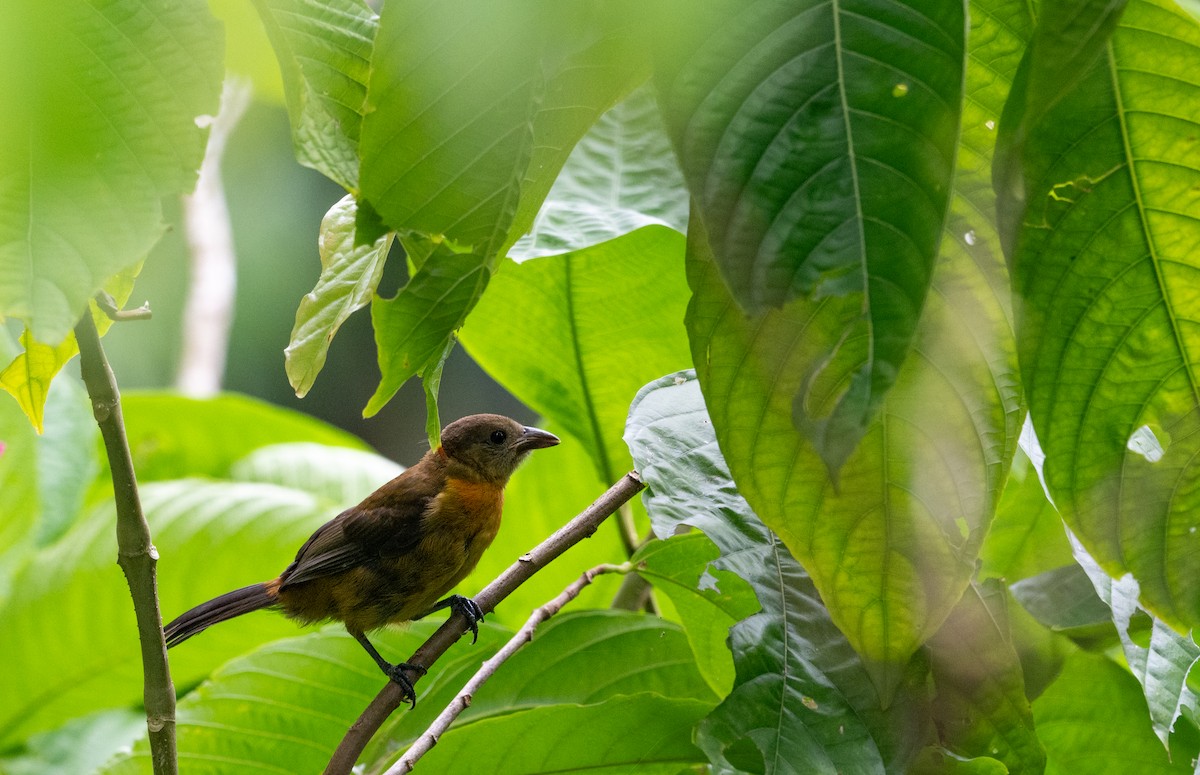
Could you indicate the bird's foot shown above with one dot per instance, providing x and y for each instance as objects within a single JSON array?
[
  {"x": 470, "y": 611},
  {"x": 396, "y": 674}
]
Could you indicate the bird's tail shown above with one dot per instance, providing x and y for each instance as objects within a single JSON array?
[{"x": 231, "y": 604}]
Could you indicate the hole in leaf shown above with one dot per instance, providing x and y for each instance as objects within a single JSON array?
[{"x": 1146, "y": 443}]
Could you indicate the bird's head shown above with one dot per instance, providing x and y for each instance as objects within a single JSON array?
[{"x": 491, "y": 446}]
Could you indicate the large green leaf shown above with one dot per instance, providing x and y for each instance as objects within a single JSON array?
[
  {"x": 621, "y": 176},
  {"x": 100, "y": 102},
  {"x": 980, "y": 705},
  {"x": 1105, "y": 261},
  {"x": 803, "y": 701},
  {"x": 349, "y": 275},
  {"x": 81, "y": 745},
  {"x": 1093, "y": 719},
  {"x": 547, "y": 331},
  {"x": 472, "y": 110},
  {"x": 818, "y": 140},
  {"x": 463, "y": 94},
  {"x": 172, "y": 436},
  {"x": 324, "y": 52},
  {"x": 78, "y": 648},
  {"x": 286, "y": 706},
  {"x": 627, "y": 735},
  {"x": 341, "y": 475},
  {"x": 892, "y": 545}
]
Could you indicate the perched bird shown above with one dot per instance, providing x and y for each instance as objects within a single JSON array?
[{"x": 391, "y": 557}]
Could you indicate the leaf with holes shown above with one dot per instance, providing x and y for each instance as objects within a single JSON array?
[
  {"x": 1105, "y": 247},
  {"x": 893, "y": 544}
]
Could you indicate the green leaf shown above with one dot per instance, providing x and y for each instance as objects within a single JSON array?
[
  {"x": 1104, "y": 261},
  {"x": 1162, "y": 665},
  {"x": 28, "y": 377},
  {"x": 818, "y": 140},
  {"x": 1027, "y": 535},
  {"x": 19, "y": 491},
  {"x": 708, "y": 602},
  {"x": 414, "y": 327},
  {"x": 68, "y": 459},
  {"x": 287, "y": 704},
  {"x": 100, "y": 103},
  {"x": 340, "y": 475},
  {"x": 980, "y": 706},
  {"x": 579, "y": 658},
  {"x": 546, "y": 331},
  {"x": 81, "y": 745},
  {"x": 324, "y": 51},
  {"x": 1063, "y": 599},
  {"x": 211, "y": 537},
  {"x": 1093, "y": 719},
  {"x": 892, "y": 546},
  {"x": 163, "y": 430},
  {"x": 620, "y": 177},
  {"x": 628, "y": 735},
  {"x": 802, "y": 698},
  {"x": 349, "y": 276},
  {"x": 472, "y": 109}
]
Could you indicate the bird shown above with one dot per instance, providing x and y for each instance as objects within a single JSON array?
[{"x": 390, "y": 558}]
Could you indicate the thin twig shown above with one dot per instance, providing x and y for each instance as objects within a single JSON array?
[
  {"x": 429, "y": 738},
  {"x": 390, "y": 697},
  {"x": 108, "y": 305},
  {"x": 135, "y": 553}
]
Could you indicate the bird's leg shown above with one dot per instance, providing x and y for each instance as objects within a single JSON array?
[
  {"x": 394, "y": 672},
  {"x": 462, "y": 605}
]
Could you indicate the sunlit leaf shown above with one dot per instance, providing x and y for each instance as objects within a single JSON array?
[
  {"x": 1027, "y": 535},
  {"x": 548, "y": 326},
  {"x": 100, "y": 103},
  {"x": 1093, "y": 719},
  {"x": 349, "y": 276},
  {"x": 1105, "y": 251},
  {"x": 621, "y": 176}
]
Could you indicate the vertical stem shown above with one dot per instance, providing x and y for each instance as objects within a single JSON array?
[{"x": 135, "y": 553}]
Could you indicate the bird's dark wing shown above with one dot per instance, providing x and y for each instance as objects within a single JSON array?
[{"x": 386, "y": 524}]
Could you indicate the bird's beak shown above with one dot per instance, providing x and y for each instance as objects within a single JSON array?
[{"x": 535, "y": 438}]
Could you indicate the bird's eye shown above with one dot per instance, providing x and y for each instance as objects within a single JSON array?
[{"x": 498, "y": 437}]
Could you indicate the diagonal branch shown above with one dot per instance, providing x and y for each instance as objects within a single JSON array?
[
  {"x": 428, "y": 739},
  {"x": 390, "y": 698},
  {"x": 135, "y": 553}
]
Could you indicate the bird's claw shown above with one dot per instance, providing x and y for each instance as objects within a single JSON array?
[
  {"x": 408, "y": 691},
  {"x": 470, "y": 611}
]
